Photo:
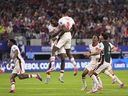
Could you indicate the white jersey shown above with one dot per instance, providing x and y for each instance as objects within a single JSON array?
[
  {"x": 18, "y": 61},
  {"x": 13, "y": 49},
  {"x": 94, "y": 59},
  {"x": 53, "y": 42},
  {"x": 67, "y": 21},
  {"x": 51, "y": 28},
  {"x": 93, "y": 49}
]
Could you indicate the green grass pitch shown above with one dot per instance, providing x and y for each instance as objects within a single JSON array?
[{"x": 71, "y": 87}]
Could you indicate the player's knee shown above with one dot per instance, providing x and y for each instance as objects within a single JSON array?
[
  {"x": 55, "y": 49},
  {"x": 68, "y": 53},
  {"x": 12, "y": 78},
  {"x": 20, "y": 76},
  {"x": 83, "y": 75},
  {"x": 63, "y": 60}
]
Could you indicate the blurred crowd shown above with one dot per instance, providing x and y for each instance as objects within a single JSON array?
[{"x": 29, "y": 18}]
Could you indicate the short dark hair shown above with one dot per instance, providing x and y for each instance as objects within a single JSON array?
[
  {"x": 64, "y": 10},
  {"x": 105, "y": 36},
  {"x": 13, "y": 41}
]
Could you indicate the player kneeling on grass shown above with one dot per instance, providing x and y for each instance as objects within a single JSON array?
[{"x": 18, "y": 64}]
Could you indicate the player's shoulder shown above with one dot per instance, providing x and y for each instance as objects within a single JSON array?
[
  {"x": 14, "y": 47},
  {"x": 90, "y": 45},
  {"x": 100, "y": 44}
]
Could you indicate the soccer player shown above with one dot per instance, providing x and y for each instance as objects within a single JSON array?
[
  {"x": 61, "y": 52},
  {"x": 18, "y": 67},
  {"x": 105, "y": 62},
  {"x": 65, "y": 25},
  {"x": 109, "y": 70},
  {"x": 95, "y": 56}
]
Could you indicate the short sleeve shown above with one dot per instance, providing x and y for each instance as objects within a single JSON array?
[
  {"x": 111, "y": 45},
  {"x": 101, "y": 46},
  {"x": 60, "y": 22},
  {"x": 14, "y": 48}
]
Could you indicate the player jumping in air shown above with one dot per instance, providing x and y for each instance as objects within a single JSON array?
[
  {"x": 61, "y": 53},
  {"x": 65, "y": 25}
]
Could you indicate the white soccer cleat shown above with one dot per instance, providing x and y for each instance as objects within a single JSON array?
[
  {"x": 61, "y": 80},
  {"x": 94, "y": 90},
  {"x": 83, "y": 88},
  {"x": 91, "y": 91},
  {"x": 99, "y": 87},
  {"x": 13, "y": 89}
]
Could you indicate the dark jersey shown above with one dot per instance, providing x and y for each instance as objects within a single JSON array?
[{"x": 107, "y": 51}]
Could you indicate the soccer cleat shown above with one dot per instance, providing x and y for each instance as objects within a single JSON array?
[
  {"x": 47, "y": 80},
  {"x": 61, "y": 80},
  {"x": 83, "y": 88},
  {"x": 99, "y": 87},
  {"x": 75, "y": 71},
  {"x": 122, "y": 85},
  {"x": 92, "y": 91},
  {"x": 12, "y": 91},
  {"x": 39, "y": 77},
  {"x": 96, "y": 89}
]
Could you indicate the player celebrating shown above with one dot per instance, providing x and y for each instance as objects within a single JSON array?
[
  {"x": 95, "y": 56},
  {"x": 61, "y": 51},
  {"x": 18, "y": 67},
  {"x": 65, "y": 25}
]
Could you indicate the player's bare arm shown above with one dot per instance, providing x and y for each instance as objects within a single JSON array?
[
  {"x": 88, "y": 54},
  {"x": 114, "y": 49}
]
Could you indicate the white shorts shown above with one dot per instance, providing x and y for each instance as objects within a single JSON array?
[
  {"x": 110, "y": 66},
  {"x": 91, "y": 66},
  {"x": 102, "y": 67},
  {"x": 19, "y": 67},
  {"x": 61, "y": 50},
  {"x": 65, "y": 41}
]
